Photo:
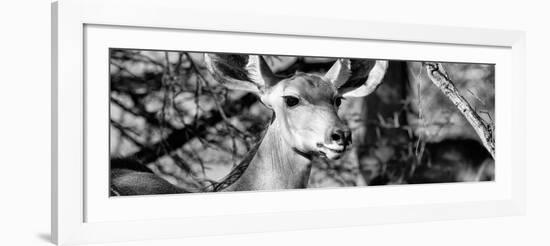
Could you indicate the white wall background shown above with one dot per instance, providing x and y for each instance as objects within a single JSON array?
[{"x": 25, "y": 123}]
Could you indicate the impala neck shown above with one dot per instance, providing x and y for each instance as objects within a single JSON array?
[{"x": 275, "y": 165}]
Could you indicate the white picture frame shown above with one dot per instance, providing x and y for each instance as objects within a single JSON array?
[{"x": 80, "y": 214}]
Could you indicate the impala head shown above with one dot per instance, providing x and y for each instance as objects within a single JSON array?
[{"x": 305, "y": 105}]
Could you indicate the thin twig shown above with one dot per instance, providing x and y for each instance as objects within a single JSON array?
[{"x": 122, "y": 129}]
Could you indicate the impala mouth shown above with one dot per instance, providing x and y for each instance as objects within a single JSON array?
[{"x": 331, "y": 151}]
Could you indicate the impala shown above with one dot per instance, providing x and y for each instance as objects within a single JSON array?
[{"x": 304, "y": 124}]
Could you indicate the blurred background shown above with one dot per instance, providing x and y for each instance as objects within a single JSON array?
[{"x": 167, "y": 113}]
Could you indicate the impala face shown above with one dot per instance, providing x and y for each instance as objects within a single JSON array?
[{"x": 306, "y": 107}]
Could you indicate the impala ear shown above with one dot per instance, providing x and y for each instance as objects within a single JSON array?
[
  {"x": 241, "y": 72},
  {"x": 260, "y": 73},
  {"x": 339, "y": 73},
  {"x": 374, "y": 78}
]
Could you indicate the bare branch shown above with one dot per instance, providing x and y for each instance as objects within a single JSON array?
[
  {"x": 179, "y": 137},
  {"x": 439, "y": 77}
]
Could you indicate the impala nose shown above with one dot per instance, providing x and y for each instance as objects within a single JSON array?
[{"x": 341, "y": 136}]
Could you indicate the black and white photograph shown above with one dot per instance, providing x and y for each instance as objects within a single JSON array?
[
  {"x": 200, "y": 122},
  {"x": 241, "y": 123}
]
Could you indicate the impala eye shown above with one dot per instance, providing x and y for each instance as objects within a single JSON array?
[
  {"x": 291, "y": 101},
  {"x": 338, "y": 101}
]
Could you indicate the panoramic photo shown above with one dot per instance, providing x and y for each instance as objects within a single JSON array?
[{"x": 199, "y": 122}]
